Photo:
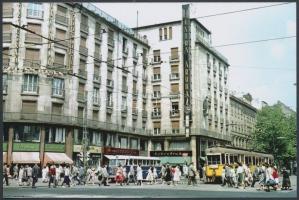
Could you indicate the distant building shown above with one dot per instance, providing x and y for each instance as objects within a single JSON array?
[
  {"x": 285, "y": 109},
  {"x": 242, "y": 120}
]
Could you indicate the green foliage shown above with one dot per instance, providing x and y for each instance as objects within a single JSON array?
[{"x": 275, "y": 133}]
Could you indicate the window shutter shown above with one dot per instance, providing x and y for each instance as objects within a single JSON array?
[
  {"x": 170, "y": 33},
  {"x": 7, "y": 6},
  {"x": 175, "y": 124},
  {"x": 56, "y": 108},
  {"x": 156, "y": 70},
  {"x": 160, "y": 34},
  {"x": 32, "y": 54},
  {"x": 6, "y": 28},
  {"x": 83, "y": 42},
  {"x": 175, "y": 88},
  {"x": 174, "y": 53},
  {"x": 157, "y": 124},
  {"x": 34, "y": 27},
  {"x": 60, "y": 34},
  {"x": 29, "y": 106},
  {"x": 134, "y": 85},
  {"x": 59, "y": 58},
  {"x": 175, "y": 69},
  {"x": 156, "y": 88},
  {"x": 156, "y": 105},
  {"x": 156, "y": 53},
  {"x": 165, "y": 33},
  {"x": 80, "y": 112}
]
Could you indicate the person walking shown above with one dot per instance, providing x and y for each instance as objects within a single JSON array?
[
  {"x": 227, "y": 175},
  {"x": 45, "y": 171},
  {"x": 66, "y": 178},
  {"x": 150, "y": 175},
  {"x": 233, "y": 176},
  {"x": 5, "y": 173},
  {"x": 82, "y": 175},
  {"x": 131, "y": 175},
  {"x": 275, "y": 177},
  {"x": 15, "y": 172},
  {"x": 105, "y": 175},
  {"x": 125, "y": 175},
  {"x": 240, "y": 175},
  {"x": 52, "y": 175},
  {"x": 21, "y": 172},
  {"x": 286, "y": 183},
  {"x": 29, "y": 175},
  {"x": 200, "y": 170},
  {"x": 35, "y": 173},
  {"x": 177, "y": 175},
  {"x": 247, "y": 175},
  {"x": 163, "y": 172},
  {"x": 119, "y": 177},
  {"x": 75, "y": 175},
  {"x": 89, "y": 171},
  {"x": 256, "y": 175},
  {"x": 191, "y": 175},
  {"x": 155, "y": 174},
  {"x": 139, "y": 175},
  {"x": 168, "y": 176},
  {"x": 269, "y": 178},
  {"x": 93, "y": 175}
]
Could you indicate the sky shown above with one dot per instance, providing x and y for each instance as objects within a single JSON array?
[{"x": 266, "y": 70}]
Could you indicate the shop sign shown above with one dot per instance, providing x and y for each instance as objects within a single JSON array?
[
  {"x": 25, "y": 146},
  {"x": 4, "y": 146},
  {"x": 119, "y": 151},
  {"x": 95, "y": 149},
  {"x": 55, "y": 147},
  {"x": 77, "y": 148},
  {"x": 170, "y": 153}
]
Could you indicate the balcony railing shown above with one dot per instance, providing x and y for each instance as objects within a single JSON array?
[
  {"x": 62, "y": 19},
  {"x": 156, "y": 60},
  {"x": 7, "y": 37},
  {"x": 174, "y": 58},
  {"x": 81, "y": 97},
  {"x": 174, "y": 95},
  {"x": 124, "y": 88},
  {"x": 58, "y": 92},
  {"x": 156, "y": 78},
  {"x": 174, "y": 113},
  {"x": 174, "y": 76},
  {"x": 110, "y": 83},
  {"x": 134, "y": 111},
  {"x": 175, "y": 131},
  {"x": 156, "y": 96},
  {"x": 156, "y": 115},
  {"x": 96, "y": 100},
  {"x": 125, "y": 51},
  {"x": 144, "y": 114},
  {"x": 37, "y": 14},
  {"x": 111, "y": 42},
  {"x": 32, "y": 38},
  {"x": 30, "y": 89},
  {"x": 35, "y": 64},
  {"x": 84, "y": 27},
  {"x": 97, "y": 78},
  {"x": 83, "y": 50},
  {"x": 7, "y": 13}
]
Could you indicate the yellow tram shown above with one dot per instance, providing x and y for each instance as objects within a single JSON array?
[{"x": 217, "y": 157}]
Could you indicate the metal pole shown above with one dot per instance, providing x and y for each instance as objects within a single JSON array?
[{"x": 84, "y": 138}]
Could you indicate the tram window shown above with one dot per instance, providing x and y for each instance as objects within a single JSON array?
[
  {"x": 231, "y": 159},
  {"x": 112, "y": 162},
  {"x": 135, "y": 162},
  {"x": 213, "y": 159},
  {"x": 254, "y": 161},
  {"x": 223, "y": 158},
  {"x": 236, "y": 158},
  {"x": 249, "y": 160}
]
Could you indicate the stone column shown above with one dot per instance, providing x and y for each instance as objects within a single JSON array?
[
  {"x": 166, "y": 145},
  {"x": 69, "y": 143},
  {"x": 149, "y": 147},
  {"x": 9, "y": 145},
  {"x": 42, "y": 145},
  {"x": 193, "y": 149}
]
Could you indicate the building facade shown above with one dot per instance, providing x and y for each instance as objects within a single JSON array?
[
  {"x": 243, "y": 121},
  {"x": 96, "y": 64},
  {"x": 209, "y": 92}
]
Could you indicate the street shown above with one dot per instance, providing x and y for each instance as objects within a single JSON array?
[{"x": 145, "y": 191}]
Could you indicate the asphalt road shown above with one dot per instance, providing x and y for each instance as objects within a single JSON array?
[{"x": 145, "y": 191}]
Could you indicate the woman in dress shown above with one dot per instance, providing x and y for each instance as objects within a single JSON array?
[
  {"x": 139, "y": 175},
  {"x": 150, "y": 175},
  {"x": 155, "y": 175},
  {"x": 176, "y": 176},
  {"x": 44, "y": 174},
  {"x": 21, "y": 174},
  {"x": 119, "y": 178}
]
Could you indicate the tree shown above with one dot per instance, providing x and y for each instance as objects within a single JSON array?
[{"x": 275, "y": 133}]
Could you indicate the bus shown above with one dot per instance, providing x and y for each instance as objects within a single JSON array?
[
  {"x": 217, "y": 157},
  {"x": 113, "y": 161}
]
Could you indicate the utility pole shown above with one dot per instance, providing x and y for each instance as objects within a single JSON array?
[{"x": 85, "y": 137}]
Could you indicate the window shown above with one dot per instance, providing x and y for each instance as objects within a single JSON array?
[
  {"x": 160, "y": 34},
  {"x": 78, "y": 134},
  {"x": 60, "y": 34},
  {"x": 55, "y": 135},
  {"x": 124, "y": 47},
  {"x": 175, "y": 88},
  {"x": 80, "y": 112},
  {"x": 32, "y": 55},
  {"x": 29, "y": 107},
  {"x": 179, "y": 145},
  {"x": 170, "y": 33},
  {"x": 96, "y": 96},
  {"x": 143, "y": 145},
  {"x": 57, "y": 87},
  {"x": 56, "y": 109},
  {"x": 157, "y": 128},
  {"x": 123, "y": 142},
  {"x": 109, "y": 99},
  {"x": 30, "y": 83},
  {"x": 4, "y": 83},
  {"x": 175, "y": 106},
  {"x": 83, "y": 42},
  {"x": 95, "y": 115},
  {"x": 96, "y": 138},
  {"x": 157, "y": 57},
  {"x": 174, "y": 53},
  {"x": 27, "y": 134},
  {"x": 165, "y": 33},
  {"x": 157, "y": 146},
  {"x": 124, "y": 103},
  {"x": 110, "y": 140},
  {"x": 35, "y": 10},
  {"x": 62, "y": 11},
  {"x": 134, "y": 144}
]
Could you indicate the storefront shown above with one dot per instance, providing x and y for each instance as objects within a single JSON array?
[{"x": 173, "y": 157}]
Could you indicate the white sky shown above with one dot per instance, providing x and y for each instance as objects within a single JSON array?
[{"x": 248, "y": 62}]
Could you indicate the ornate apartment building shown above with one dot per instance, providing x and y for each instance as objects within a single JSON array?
[
  {"x": 243, "y": 120},
  {"x": 209, "y": 92},
  {"x": 96, "y": 61}
]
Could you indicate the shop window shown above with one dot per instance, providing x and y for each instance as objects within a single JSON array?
[
  {"x": 78, "y": 134},
  {"x": 179, "y": 146},
  {"x": 55, "y": 135},
  {"x": 134, "y": 144},
  {"x": 123, "y": 142},
  {"x": 27, "y": 134},
  {"x": 143, "y": 145},
  {"x": 96, "y": 138}
]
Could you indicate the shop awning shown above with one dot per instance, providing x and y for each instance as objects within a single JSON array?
[
  {"x": 25, "y": 157},
  {"x": 57, "y": 158},
  {"x": 4, "y": 157},
  {"x": 175, "y": 160}
]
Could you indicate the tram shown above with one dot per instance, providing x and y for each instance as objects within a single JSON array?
[
  {"x": 113, "y": 162},
  {"x": 217, "y": 157}
]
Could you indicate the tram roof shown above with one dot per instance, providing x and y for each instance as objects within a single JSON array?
[
  {"x": 122, "y": 157},
  {"x": 235, "y": 151}
]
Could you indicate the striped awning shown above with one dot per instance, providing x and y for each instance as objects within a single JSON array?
[
  {"x": 25, "y": 157},
  {"x": 57, "y": 158},
  {"x": 175, "y": 160}
]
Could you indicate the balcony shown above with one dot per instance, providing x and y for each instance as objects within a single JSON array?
[
  {"x": 109, "y": 83},
  {"x": 220, "y": 74},
  {"x": 109, "y": 107},
  {"x": 61, "y": 19},
  {"x": 221, "y": 105},
  {"x": 174, "y": 59},
  {"x": 35, "y": 64},
  {"x": 174, "y": 76},
  {"x": 145, "y": 61},
  {"x": 111, "y": 42},
  {"x": 144, "y": 114},
  {"x": 156, "y": 115},
  {"x": 209, "y": 98},
  {"x": 6, "y": 37},
  {"x": 61, "y": 43},
  {"x": 124, "y": 88},
  {"x": 124, "y": 108},
  {"x": 36, "y": 14},
  {"x": 144, "y": 95},
  {"x": 175, "y": 131},
  {"x": 174, "y": 95},
  {"x": 81, "y": 97},
  {"x": 156, "y": 78},
  {"x": 174, "y": 113},
  {"x": 209, "y": 81},
  {"x": 214, "y": 68},
  {"x": 98, "y": 36},
  {"x": 32, "y": 38},
  {"x": 96, "y": 101},
  {"x": 30, "y": 89},
  {"x": 125, "y": 69},
  {"x": 216, "y": 118},
  {"x": 134, "y": 111},
  {"x": 82, "y": 73},
  {"x": 58, "y": 92},
  {"x": 215, "y": 102},
  {"x": 156, "y": 60},
  {"x": 156, "y": 96},
  {"x": 220, "y": 88},
  {"x": 125, "y": 51},
  {"x": 98, "y": 55},
  {"x": 225, "y": 76},
  {"x": 110, "y": 64},
  {"x": 97, "y": 78},
  {"x": 83, "y": 50},
  {"x": 226, "y": 91},
  {"x": 135, "y": 55},
  {"x": 7, "y": 13},
  {"x": 84, "y": 27},
  {"x": 4, "y": 89}
]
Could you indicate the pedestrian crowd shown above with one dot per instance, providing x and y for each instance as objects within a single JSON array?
[{"x": 266, "y": 176}]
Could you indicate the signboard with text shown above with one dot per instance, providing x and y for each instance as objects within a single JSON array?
[
  {"x": 170, "y": 153},
  {"x": 119, "y": 151},
  {"x": 19, "y": 146}
]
